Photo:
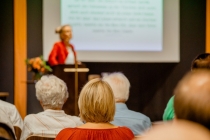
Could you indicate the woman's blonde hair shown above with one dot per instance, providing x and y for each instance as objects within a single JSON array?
[
  {"x": 59, "y": 29},
  {"x": 96, "y": 102}
]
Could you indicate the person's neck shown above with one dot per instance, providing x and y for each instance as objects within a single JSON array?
[
  {"x": 120, "y": 102},
  {"x": 101, "y": 125},
  {"x": 58, "y": 108},
  {"x": 66, "y": 43}
]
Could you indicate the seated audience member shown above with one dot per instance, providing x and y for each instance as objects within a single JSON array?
[
  {"x": 5, "y": 120},
  {"x": 10, "y": 112},
  {"x": 177, "y": 130},
  {"x": 6, "y": 132},
  {"x": 136, "y": 121},
  {"x": 52, "y": 94},
  {"x": 192, "y": 98},
  {"x": 97, "y": 108},
  {"x": 169, "y": 110},
  {"x": 202, "y": 61}
]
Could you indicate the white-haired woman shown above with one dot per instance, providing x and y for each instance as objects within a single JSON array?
[
  {"x": 52, "y": 94},
  {"x": 97, "y": 108},
  {"x": 63, "y": 51}
]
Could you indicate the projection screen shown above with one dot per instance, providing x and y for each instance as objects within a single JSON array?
[{"x": 116, "y": 30}]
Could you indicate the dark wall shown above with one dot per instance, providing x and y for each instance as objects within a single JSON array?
[
  {"x": 7, "y": 49},
  {"x": 152, "y": 84},
  {"x": 34, "y": 40},
  {"x": 34, "y": 28}
]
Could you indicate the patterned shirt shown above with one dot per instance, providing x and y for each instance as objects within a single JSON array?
[
  {"x": 11, "y": 114},
  {"x": 4, "y": 118},
  {"x": 48, "y": 123}
]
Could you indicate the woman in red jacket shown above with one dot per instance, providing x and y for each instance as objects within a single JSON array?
[{"x": 63, "y": 52}]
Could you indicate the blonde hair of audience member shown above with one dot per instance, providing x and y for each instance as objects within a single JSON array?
[
  {"x": 177, "y": 130},
  {"x": 96, "y": 102},
  {"x": 192, "y": 98},
  {"x": 51, "y": 92},
  {"x": 120, "y": 86},
  {"x": 65, "y": 33}
]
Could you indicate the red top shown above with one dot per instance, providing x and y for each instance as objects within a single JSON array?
[
  {"x": 120, "y": 133},
  {"x": 59, "y": 54}
]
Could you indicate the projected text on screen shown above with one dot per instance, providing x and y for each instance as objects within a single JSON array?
[{"x": 115, "y": 25}]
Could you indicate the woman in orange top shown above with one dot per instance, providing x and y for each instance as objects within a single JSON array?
[
  {"x": 97, "y": 109},
  {"x": 62, "y": 49}
]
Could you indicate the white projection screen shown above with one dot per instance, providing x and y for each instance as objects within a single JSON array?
[{"x": 116, "y": 30}]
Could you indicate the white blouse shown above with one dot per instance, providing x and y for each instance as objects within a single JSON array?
[{"x": 70, "y": 57}]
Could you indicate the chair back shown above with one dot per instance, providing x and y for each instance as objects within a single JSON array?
[
  {"x": 39, "y": 138},
  {"x": 6, "y": 132},
  {"x": 138, "y": 137},
  {"x": 157, "y": 123},
  {"x": 18, "y": 132}
]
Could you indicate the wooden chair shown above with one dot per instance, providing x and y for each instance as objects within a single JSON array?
[
  {"x": 157, "y": 123},
  {"x": 138, "y": 137},
  {"x": 6, "y": 132},
  {"x": 39, "y": 138},
  {"x": 18, "y": 132}
]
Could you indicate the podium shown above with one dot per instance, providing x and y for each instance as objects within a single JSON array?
[{"x": 67, "y": 74}]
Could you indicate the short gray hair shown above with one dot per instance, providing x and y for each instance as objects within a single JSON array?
[
  {"x": 119, "y": 84},
  {"x": 51, "y": 91}
]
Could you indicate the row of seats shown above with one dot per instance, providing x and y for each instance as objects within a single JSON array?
[{"x": 102, "y": 106}]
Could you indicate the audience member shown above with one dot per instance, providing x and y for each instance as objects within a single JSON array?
[
  {"x": 192, "y": 98},
  {"x": 5, "y": 119},
  {"x": 202, "y": 61},
  {"x": 97, "y": 108},
  {"x": 52, "y": 94},
  {"x": 136, "y": 121},
  {"x": 178, "y": 130},
  {"x": 11, "y": 114}
]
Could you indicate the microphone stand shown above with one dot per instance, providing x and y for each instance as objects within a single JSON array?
[{"x": 76, "y": 84}]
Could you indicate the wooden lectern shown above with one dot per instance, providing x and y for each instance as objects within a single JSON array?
[{"x": 67, "y": 74}]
